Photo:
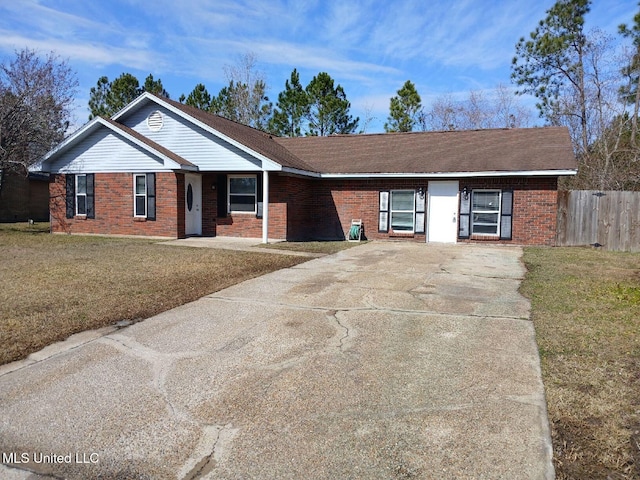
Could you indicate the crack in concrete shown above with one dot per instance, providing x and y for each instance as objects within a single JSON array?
[
  {"x": 477, "y": 275},
  {"x": 332, "y": 315},
  {"x": 371, "y": 307},
  {"x": 210, "y": 449},
  {"x": 161, "y": 366},
  {"x": 213, "y": 438}
]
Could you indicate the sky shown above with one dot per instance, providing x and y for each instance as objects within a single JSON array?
[{"x": 370, "y": 47}]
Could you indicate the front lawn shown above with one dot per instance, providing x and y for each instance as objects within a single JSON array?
[
  {"x": 326, "y": 248},
  {"x": 52, "y": 286},
  {"x": 586, "y": 312}
]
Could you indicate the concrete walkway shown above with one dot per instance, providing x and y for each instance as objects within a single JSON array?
[{"x": 387, "y": 360}]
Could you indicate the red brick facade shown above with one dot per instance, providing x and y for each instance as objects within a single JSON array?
[
  {"x": 300, "y": 208},
  {"x": 114, "y": 207}
]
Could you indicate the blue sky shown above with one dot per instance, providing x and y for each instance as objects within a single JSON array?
[{"x": 369, "y": 47}]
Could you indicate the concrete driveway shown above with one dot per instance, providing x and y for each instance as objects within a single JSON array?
[{"x": 388, "y": 360}]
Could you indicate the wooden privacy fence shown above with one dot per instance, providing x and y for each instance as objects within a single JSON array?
[{"x": 610, "y": 220}]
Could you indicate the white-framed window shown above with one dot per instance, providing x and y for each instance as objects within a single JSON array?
[
  {"x": 402, "y": 211},
  {"x": 140, "y": 195},
  {"x": 144, "y": 195},
  {"x": 81, "y": 194},
  {"x": 242, "y": 193},
  {"x": 485, "y": 212}
]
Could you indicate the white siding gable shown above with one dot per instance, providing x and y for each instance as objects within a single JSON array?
[
  {"x": 190, "y": 141},
  {"x": 103, "y": 151}
]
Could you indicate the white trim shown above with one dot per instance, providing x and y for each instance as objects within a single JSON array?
[
  {"x": 89, "y": 127},
  {"x": 267, "y": 163},
  {"x": 136, "y": 194},
  {"x": 77, "y": 176},
  {"x": 297, "y": 171},
  {"x": 155, "y": 121},
  {"x": 412, "y": 211},
  {"x": 255, "y": 194},
  {"x": 265, "y": 206},
  {"x": 515, "y": 173},
  {"x": 491, "y": 212}
]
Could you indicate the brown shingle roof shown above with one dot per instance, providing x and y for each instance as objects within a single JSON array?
[
  {"x": 499, "y": 150},
  {"x": 157, "y": 147},
  {"x": 256, "y": 140}
]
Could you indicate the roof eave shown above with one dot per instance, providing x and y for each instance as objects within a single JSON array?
[
  {"x": 500, "y": 173},
  {"x": 62, "y": 146},
  {"x": 297, "y": 171}
]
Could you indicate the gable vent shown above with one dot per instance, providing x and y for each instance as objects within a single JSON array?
[{"x": 154, "y": 121}]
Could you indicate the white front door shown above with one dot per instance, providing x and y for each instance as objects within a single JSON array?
[
  {"x": 442, "y": 217},
  {"x": 193, "y": 204}
]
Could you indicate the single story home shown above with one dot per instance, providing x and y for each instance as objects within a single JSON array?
[{"x": 162, "y": 168}]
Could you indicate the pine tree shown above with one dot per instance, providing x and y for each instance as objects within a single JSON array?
[
  {"x": 404, "y": 109},
  {"x": 291, "y": 109},
  {"x": 328, "y": 108}
]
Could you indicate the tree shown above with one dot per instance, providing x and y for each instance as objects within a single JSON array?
[
  {"x": 443, "y": 114},
  {"x": 244, "y": 100},
  {"x": 497, "y": 108},
  {"x": 404, "y": 109},
  {"x": 224, "y": 104},
  {"x": 199, "y": 98},
  {"x": 36, "y": 97},
  {"x": 508, "y": 111},
  {"x": 98, "y": 98},
  {"x": 630, "y": 92},
  {"x": 108, "y": 98},
  {"x": 155, "y": 87},
  {"x": 328, "y": 108},
  {"x": 291, "y": 109},
  {"x": 550, "y": 64},
  {"x": 124, "y": 90}
]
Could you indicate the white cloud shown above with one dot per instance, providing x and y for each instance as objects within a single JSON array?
[{"x": 94, "y": 54}]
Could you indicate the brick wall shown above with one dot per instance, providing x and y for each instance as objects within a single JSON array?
[
  {"x": 300, "y": 208},
  {"x": 114, "y": 207},
  {"x": 535, "y": 207},
  {"x": 335, "y": 203},
  {"x": 286, "y": 197}
]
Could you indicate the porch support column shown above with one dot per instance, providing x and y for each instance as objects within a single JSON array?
[{"x": 265, "y": 207}]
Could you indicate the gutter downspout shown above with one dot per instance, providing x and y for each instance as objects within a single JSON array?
[{"x": 265, "y": 206}]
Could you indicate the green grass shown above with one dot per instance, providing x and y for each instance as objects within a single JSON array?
[
  {"x": 52, "y": 286},
  {"x": 586, "y": 312}
]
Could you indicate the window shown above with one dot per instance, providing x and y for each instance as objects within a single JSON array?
[
  {"x": 485, "y": 212},
  {"x": 79, "y": 198},
  {"x": 144, "y": 196},
  {"x": 242, "y": 193},
  {"x": 402, "y": 210},
  {"x": 81, "y": 194}
]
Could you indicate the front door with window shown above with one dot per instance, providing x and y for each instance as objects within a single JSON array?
[
  {"x": 193, "y": 204},
  {"x": 442, "y": 217}
]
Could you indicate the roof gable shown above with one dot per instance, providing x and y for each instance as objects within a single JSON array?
[
  {"x": 250, "y": 140},
  {"x": 103, "y": 138}
]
